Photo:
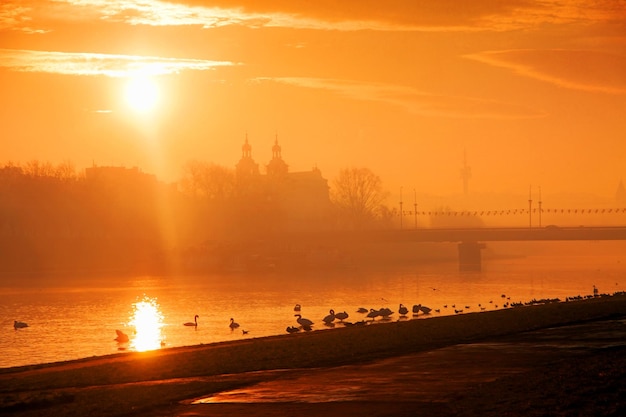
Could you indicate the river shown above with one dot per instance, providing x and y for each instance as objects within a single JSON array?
[{"x": 73, "y": 317}]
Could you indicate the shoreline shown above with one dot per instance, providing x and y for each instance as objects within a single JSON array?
[{"x": 106, "y": 385}]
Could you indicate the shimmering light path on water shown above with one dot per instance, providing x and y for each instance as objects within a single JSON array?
[{"x": 74, "y": 319}]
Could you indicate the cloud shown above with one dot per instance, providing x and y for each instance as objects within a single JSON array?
[
  {"x": 345, "y": 15},
  {"x": 414, "y": 101},
  {"x": 585, "y": 70},
  {"x": 72, "y": 63}
]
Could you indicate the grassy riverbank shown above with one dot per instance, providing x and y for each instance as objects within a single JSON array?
[{"x": 142, "y": 383}]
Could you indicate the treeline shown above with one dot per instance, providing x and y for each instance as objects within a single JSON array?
[{"x": 55, "y": 219}]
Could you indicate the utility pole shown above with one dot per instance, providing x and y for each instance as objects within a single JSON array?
[
  {"x": 415, "y": 206},
  {"x": 539, "y": 206},
  {"x": 530, "y": 208},
  {"x": 401, "y": 214}
]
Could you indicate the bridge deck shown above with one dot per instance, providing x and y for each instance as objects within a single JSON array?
[{"x": 505, "y": 234}]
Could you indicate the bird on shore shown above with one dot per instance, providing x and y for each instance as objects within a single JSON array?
[
  {"x": 373, "y": 314},
  {"x": 403, "y": 310},
  {"x": 121, "y": 336},
  {"x": 194, "y": 323},
  {"x": 305, "y": 323},
  {"x": 416, "y": 309},
  {"x": 342, "y": 315},
  {"x": 385, "y": 312},
  {"x": 19, "y": 324},
  {"x": 233, "y": 325},
  {"x": 330, "y": 317},
  {"x": 425, "y": 310}
]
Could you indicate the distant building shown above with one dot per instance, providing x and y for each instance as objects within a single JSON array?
[
  {"x": 119, "y": 176},
  {"x": 301, "y": 198}
]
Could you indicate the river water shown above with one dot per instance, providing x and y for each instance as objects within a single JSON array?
[{"x": 74, "y": 318}]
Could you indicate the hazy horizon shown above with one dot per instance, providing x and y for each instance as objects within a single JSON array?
[{"x": 532, "y": 92}]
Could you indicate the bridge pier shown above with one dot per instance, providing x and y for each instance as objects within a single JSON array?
[{"x": 470, "y": 257}]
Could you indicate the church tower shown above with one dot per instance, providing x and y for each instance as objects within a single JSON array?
[
  {"x": 277, "y": 168},
  {"x": 246, "y": 167}
]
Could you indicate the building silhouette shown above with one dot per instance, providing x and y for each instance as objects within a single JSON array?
[{"x": 299, "y": 201}]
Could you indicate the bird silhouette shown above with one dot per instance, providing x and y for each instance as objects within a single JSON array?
[
  {"x": 373, "y": 314},
  {"x": 305, "y": 323},
  {"x": 342, "y": 315},
  {"x": 19, "y": 324},
  {"x": 121, "y": 336},
  {"x": 194, "y": 323},
  {"x": 403, "y": 310},
  {"x": 330, "y": 317},
  {"x": 233, "y": 325}
]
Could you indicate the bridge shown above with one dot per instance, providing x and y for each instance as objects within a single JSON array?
[{"x": 470, "y": 239}]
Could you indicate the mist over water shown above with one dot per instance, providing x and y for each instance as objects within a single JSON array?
[{"x": 74, "y": 319}]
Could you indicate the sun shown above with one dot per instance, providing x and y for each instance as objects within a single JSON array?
[{"x": 141, "y": 94}]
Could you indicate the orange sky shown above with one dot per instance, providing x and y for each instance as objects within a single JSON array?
[{"x": 534, "y": 91}]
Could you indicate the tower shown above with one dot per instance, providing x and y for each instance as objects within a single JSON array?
[
  {"x": 277, "y": 168},
  {"x": 246, "y": 167}
]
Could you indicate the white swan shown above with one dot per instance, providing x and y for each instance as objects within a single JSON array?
[
  {"x": 19, "y": 324},
  {"x": 121, "y": 336},
  {"x": 233, "y": 324},
  {"x": 305, "y": 323},
  {"x": 403, "y": 310},
  {"x": 425, "y": 310},
  {"x": 373, "y": 314},
  {"x": 194, "y": 323},
  {"x": 342, "y": 315},
  {"x": 330, "y": 317}
]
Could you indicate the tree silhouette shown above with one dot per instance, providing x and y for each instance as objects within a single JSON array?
[{"x": 359, "y": 195}]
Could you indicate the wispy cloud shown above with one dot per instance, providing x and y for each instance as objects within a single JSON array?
[
  {"x": 72, "y": 63},
  {"x": 415, "y": 101},
  {"x": 347, "y": 15},
  {"x": 590, "y": 71}
]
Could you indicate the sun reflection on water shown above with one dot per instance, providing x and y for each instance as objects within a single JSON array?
[{"x": 147, "y": 321}]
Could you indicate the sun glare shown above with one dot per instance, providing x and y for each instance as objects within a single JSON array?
[
  {"x": 141, "y": 93},
  {"x": 147, "y": 321}
]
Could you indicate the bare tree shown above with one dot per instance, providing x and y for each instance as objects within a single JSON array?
[
  {"x": 207, "y": 181},
  {"x": 358, "y": 194}
]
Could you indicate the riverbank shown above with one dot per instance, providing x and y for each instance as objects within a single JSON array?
[{"x": 154, "y": 383}]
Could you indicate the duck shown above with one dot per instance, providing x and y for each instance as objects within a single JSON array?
[
  {"x": 19, "y": 324},
  {"x": 416, "y": 309},
  {"x": 425, "y": 310},
  {"x": 194, "y": 323},
  {"x": 292, "y": 329},
  {"x": 233, "y": 325},
  {"x": 362, "y": 310},
  {"x": 297, "y": 307}
]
